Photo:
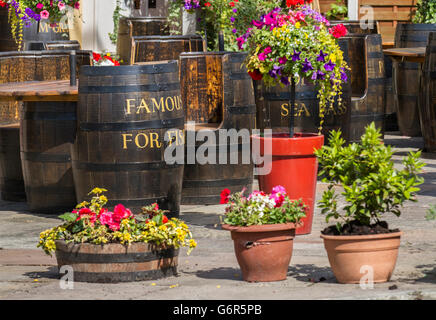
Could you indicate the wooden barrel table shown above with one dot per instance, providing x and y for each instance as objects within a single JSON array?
[
  {"x": 130, "y": 27},
  {"x": 124, "y": 116},
  {"x": 11, "y": 174},
  {"x": 158, "y": 48},
  {"x": 357, "y": 26},
  {"x": 216, "y": 94},
  {"x": 40, "y": 33},
  {"x": 272, "y": 107},
  {"x": 406, "y": 77},
  {"x": 114, "y": 262}
]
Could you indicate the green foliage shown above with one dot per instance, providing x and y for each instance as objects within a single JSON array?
[
  {"x": 338, "y": 10},
  {"x": 372, "y": 186},
  {"x": 425, "y": 12},
  {"x": 116, "y": 18},
  {"x": 431, "y": 213}
]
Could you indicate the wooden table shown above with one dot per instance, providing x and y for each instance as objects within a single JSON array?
[
  {"x": 406, "y": 54},
  {"x": 58, "y": 90},
  {"x": 47, "y": 131}
]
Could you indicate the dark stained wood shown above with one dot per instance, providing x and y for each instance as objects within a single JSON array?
[
  {"x": 113, "y": 262},
  {"x": 357, "y": 26},
  {"x": 47, "y": 132},
  {"x": 62, "y": 45},
  {"x": 406, "y": 77},
  {"x": 130, "y": 27},
  {"x": 158, "y": 48},
  {"x": 427, "y": 97},
  {"x": 124, "y": 115},
  {"x": 407, "y": 54},
  {"x": 366, "y": 60},
  {"x": 11, "y": 174},
  {"x": 216, "y": 94},
  {"x": 54, "y": 90},
  {"x": 30, "y": 34}
]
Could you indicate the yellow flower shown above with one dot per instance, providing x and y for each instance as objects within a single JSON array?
[
  {"x": 333, "y": 58},
  {"x": 297, "y": 25}
]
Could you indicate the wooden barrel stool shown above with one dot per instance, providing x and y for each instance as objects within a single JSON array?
[
  {"x": 11, "y": 174},
  {"x": 366, "y": 60},
  {"x": 427, "y": 98},
  {"x": 124, "y": 116},
  {"x": 158, "y": 48},
  {"x": 406, "y": 77},
  {"x": 216, "y": 94},
  {"x": 130, "y": 27},
  {"x": 272, "y": 107}
]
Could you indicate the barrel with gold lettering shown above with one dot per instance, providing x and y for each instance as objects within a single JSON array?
[{"x": 127, "y": 117}]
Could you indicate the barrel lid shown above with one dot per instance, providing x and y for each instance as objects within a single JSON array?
[{"x": 153, "y": 68}]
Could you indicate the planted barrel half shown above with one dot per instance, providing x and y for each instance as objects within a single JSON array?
[
  {"x": 113, "y": 262},
  {"x": 47, "y": 132},
  {"x": 11, "y": 174},
  {"x": 217, "y": 94},
  {"x": 159, "y": 48},
  {"x": 406, "y": 77},
  {"x": 125, "y": 114}
]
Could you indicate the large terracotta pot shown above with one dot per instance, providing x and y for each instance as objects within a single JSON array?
[
  {"x": 263, "y": 252},
  {"x": 295, "y": 167},
  {"x": 351, "y": 257}
]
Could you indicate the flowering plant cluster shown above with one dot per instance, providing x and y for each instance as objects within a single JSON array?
[
  {"x": 24, "y": 12},
  {"x": 104, "y": 60},
  {"x": 232, "y": 17},
  {"x": 90, "y": 222},
  {"x": 260, "y": 208},
  {"x": 297, "y": 43}
]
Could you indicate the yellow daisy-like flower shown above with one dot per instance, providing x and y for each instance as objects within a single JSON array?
[{"x": 297, "y": 25}]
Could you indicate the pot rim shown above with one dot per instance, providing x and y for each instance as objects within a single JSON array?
[
  {"x": 304, "y": 136},
  {"x": 363, "y": 237},
  {"x": 260, "y": 228},
  {"x": 110, "y": 244}
]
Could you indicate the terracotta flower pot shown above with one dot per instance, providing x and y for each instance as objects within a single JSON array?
[
  {"x": 354, "y": 257},
  {"x": 263, "y": 252},
  {"x": 295, "y": 167}
]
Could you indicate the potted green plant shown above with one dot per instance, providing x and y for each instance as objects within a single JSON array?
[
  {"x": 285, "y": 47},
  {"x": 262, "y": 227},
  {"x": 105, "y": 246},
  {"x": 338, "y": 10},
  {"x": 372, "y": 187}
]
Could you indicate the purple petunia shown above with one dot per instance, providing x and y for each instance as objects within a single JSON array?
[
  {"x": 330, "y": 66},
  {"x": 276, "y": 71},
  {"x": 321, "y": 56},
  {"x": 296, "y": 56},
  {"x": 284, "y": 80},
  {"x": 307, "y": 66}
]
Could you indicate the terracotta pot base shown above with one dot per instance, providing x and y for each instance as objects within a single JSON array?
[{"x": 353, "y": 257}]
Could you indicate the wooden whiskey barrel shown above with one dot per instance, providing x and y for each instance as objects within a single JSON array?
[
  {"x": 11, "y": 174},
  {"x": 158, "y": 48},
  {"x": 130, "y": 27},
  {"x": 47, "y": 132},
  {"x": 114, "y": 262},
  {"x": 40, "y": 33},
  {"x": 217, "y": 94},
  {"x": 406, "y": 77},
  {"x": 272, "y": 107},
  {"x": 124, "y": 115},
  {"x": 427, "y": 98}
]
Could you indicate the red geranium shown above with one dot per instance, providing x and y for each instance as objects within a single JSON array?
[
  {"x": 164, "y": 219},
  {"x": 225, "y": 196},
  {"x": 338, "y": 31},
  {"x": 96, "y": 56},
  {"x": 2, "y": 3},
  {"x": 207, "y": 4},
  {"x": 293, "y": 3},
  {"x": 255, "y": 75}
]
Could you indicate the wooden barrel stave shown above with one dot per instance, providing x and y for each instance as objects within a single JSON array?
[
  {"x": 112, "y": 263},
  {"x": 222, "y": 98},
  {"x": 11, "y": 174},
  {"x": 134, "y": 173}
]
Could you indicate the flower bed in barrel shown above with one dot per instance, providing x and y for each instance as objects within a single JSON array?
[
  {"x": 117, "y": 246},
  {"x": 262, "y": 227},
  {"x": 284, "y": 47}
]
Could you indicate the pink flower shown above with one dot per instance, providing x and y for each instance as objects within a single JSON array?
[
  {"x": 267, "y": 50},
  {"x": 61, "y": 5},
  {"x": 278, "y": 189},
  {"x": 283, "y": 60},
  {"x": 106, "y": 217},
  {"x": 120, "y": 213},
  {"x": 77, "y": 5},
  {"x": 44, "y": 14},
  {"x": 39, "y": 5},
  {"x": 278, "y": 195},
  {"x": 262, "y": 56}
]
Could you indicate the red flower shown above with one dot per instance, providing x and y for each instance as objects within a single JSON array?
[
  {"x": 232, "y": 4},
  {"x": 207, "y": 4},
  {"x": 120, "y": 213},
  {"x": 155, "y": 206},
  {"x": 293, "y": 3},
  {"x": 2, "y": 3},
  {"x": 225, "y": 196},
  {"x": 338, "y": 31},
  {"x": 255, "y": 75},
  {"x": 96, "y": 56},
  {"x": 164, "y": 219},
  {"x": 86, "y": 212}
]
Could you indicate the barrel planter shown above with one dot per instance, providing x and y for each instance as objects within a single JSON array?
[
  {"x": 130, "y": 27},
  {"x": 125, "y": 115},
  {"x": 11, "y": 174},
  {"x": 406, "y": 77},
  {"x": 427, "y": 101},
  {"x": 114, "y": 262},
  {"x": 36, "y": 33},
  {"x": 216, "y": 94},
  {"x": 47, "y": 132},
  {"x": 159, "y": 48}
]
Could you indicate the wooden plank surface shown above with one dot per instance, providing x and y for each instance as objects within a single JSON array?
[
  {"x": 59, "y": 90},
  {"x": 410, "y": 54}
]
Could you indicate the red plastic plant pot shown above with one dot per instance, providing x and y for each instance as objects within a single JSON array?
[{"x": 295, "y": 167}]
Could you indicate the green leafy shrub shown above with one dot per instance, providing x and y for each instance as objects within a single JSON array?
[
  {"x": 372, "y": 186},
  {"x": 425, "y": 12}
]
